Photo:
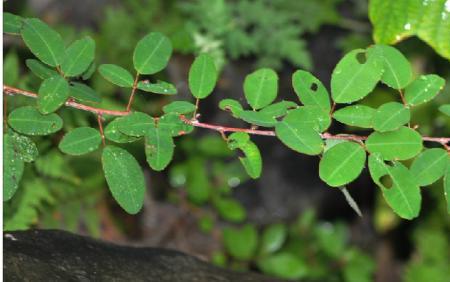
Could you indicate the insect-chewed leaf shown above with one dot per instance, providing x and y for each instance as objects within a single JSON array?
[
  {"x": 252, "y": 161},
  {"x": 80, "y": 141},
  {"x": 261, "y": 87},
  {"x": 231, "y": 105},
  {"x": 83, "y": 93},
  {"x": 136, "y": 124},
  {"x": 25, "y": 147},
  {"x": 401, "y": 144},
  {"x": 397, "y": 69},
  {"x": 160, "y": 87},
  {"x": 124, "y": 177},
  {"x": 39, "y": 69},
  {"x": 202, "y": 76},
  {"x": 12, "y": 168},
  {"x": 390, "y": 116},
  {"x": 53, "y": 93},
  {"x": 79, "y": 56},
  {"x": 241, "y": 243},
  {"x": 423, "y": 89},
  {"x": 400, "y": 190},
  {"x": 116, "y": 75},
  {"x": 279, "y": 109},
  {"x": 113, "y": 133},
  {"x": 152, "y": 53},
  {"x": 258, "y": 118},
  {"x": 28, "y": 120},
  {"x": 355, "y": 76},
  {"x": 239, "y": 139},
  {"x": 342, "y": 163},
  {"x": 159, "y": 148},
  {"x": 355, "y": 115},
  {"x": 44, "y": 42},
  {"x": 447, "y": 187},
  {"x": 12, "y": 23},
  {"x": 445, "y": 109},
  {"x": 230, "y": 209},
  {"x": 310, "y": 90},
  {"x": 310, "y": 117},
  {"x": 429, "y": 166},
  {"x": 179, "y": 107},
  {"x": 172, "y": 123}
]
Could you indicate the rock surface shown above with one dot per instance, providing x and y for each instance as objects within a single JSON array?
[{"x": 54, "y": 255}]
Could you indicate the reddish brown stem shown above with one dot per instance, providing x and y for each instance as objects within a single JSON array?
[
  {"x": 133, "y": 91},
  {"x": 100, "y": 126}
]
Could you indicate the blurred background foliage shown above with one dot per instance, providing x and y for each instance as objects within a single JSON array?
[{"x": 204, "y": 204}]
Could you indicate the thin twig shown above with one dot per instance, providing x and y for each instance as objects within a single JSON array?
[
  {"x": 133, "y": 91},
  {"x": 100, "y": 126}
]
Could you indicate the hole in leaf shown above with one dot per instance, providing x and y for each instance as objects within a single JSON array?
[
  {"x": 361, "y": 57},
  {"x": 314, "y": 87},
  {"x": 386, "y": 180}
]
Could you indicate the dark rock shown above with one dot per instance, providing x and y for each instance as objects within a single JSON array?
[{"x": 54, "y": 255}]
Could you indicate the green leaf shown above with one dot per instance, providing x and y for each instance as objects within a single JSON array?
[
  {"x": 394, "y": 21},
  {"x": 83, "y": 93},
  {"x": 401, "y": 144},
  {"x": 355, "y": 115},
  {"x": 403, "y": 195},
  {"x": 89, "y": 72},
  {"x": 53, "y": 93},
  {"x": 258, "y": 118},
  {"x": 390, "y": 116},
  {"x": 39, "y": 69},
  {"x": 172, "y": 123},
  {"x": 231, "y": 105},
  {"x": 273, "y": 238},
  {"x": 397, "y": 69},
  {"x": 12, "y": 168},
  {"x": 445, "y": 109},
  {"x": 310, "y": 90},
  {"x": 310, "y": 117},
  {"x": 252, "y": 161},
  {"x": 342, "y": 163},
  {"x": 45, "y": 43},
  {"x": 230, "y": 209},
  {"x": 28, "y": 120},
  {"x": 113, "y": 133},
  {"x": 79, "y": 56},
  {"x": 159, "y": 148},
  {"x": 80, "y": 141},
  {"x": 198, "y": 186},
  {"x": 124, "y": 177},
  {"x": 116, "y": 75},
  {"x": 298, "y": 137},
  {"x": 152, "y": 53},
  {"x": 241, "y": 243},
  {"x": 179, "y": 107},
  {"x": 261, "y": 87},
  {"x": 12, "y": 23},
  {"x": 25, "y": 147},
  {"x": 11, "y": 68},
  {"x": 160, "y": 87},
  {"x": 136, "y": 124},
  {"x": 447, "y": 187},
  {"x": 429, "y": 166},
  {"x": 284, "y": 265},
  {"x": 202, "y": 76},
  {"x": 423, "y": 89},
  {"x": 279, "y": 109},
  {"x": 355, "y": 76}
]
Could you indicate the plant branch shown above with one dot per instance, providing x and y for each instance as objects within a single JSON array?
[
  {"x": 133, "y": 91},
  {"x": 219, "y": 128}
]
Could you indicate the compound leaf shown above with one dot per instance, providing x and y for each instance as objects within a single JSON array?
[
  {"x": 310, "y": 90},
  {"x": 202, "y": 76},
  {"x": 423, "y": 89},
  {"x": 80, "y": 141},
  {"x": 116, "y": 75},
  {"x": 429, "y": 166},
  {"x": 53, "y": 93},
  {"x": 261, "y": 87},
  {"x": 355, "y": 115},
  {"x": 28, "y": 120},
  {"x": 79, "y": 56},
  {"x": 152, "y": 53},
  {"x": 390, "y": 116}
]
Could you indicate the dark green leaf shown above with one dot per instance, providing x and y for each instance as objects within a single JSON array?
[
  {"x": 172, "y": 123},
  {"x": 113, "y": 133},
  {"x": 423, "y": 89},
  {"x": 160, "y": 87},
  {"x": 390, "y": 116},
  {"x": 12, "y": 168},
  {"x": 28, "y": 120},
  {"x": 260, "y": 88},
  {"x": 159, "y": 148},
  {"x": 273, "y": 238},
  {"x": 12, "y": 23},
  {"x": 241, "y": 243},
  {"x": 39, "y": 69},
  {"x": 25, "y": 147},
  {"x": 429, "y": 166},
  {"x": 310, "y": 117},
  {"x": 80, "y": 141},
  {"x": 79, "y": 56},
  {"x": 279, "y": 109},
  {"x": 136, "y": 124},
  {"x": 202, "y": 76},
  {"x": 356, "y": 115},
  {"x": 179, "y": 107},
  {"x": 83, "y": 93},
  {"x": 152, "y": 53},
  {"x": 310, "y": 90},
  {"x": 53, "y": 93},
  {"x": 116, "y": 75},
  {"x": 258, "y": 118}
]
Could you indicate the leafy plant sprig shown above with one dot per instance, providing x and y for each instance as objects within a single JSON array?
[{"x": 301, "y": 128}]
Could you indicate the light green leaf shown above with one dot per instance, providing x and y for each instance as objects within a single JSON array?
[
  {"x": 447, "y": 187},
  {"x": 44, "y": 42},
  {"x": 28, "y": 120},
  {"x": 79, "y": 56},
  {"x": 116, "y": 75},
  {"x": 252, "y": 161},
  {"x": 136, "y": 124},
  {"x": 258, "y": 118},
  {"x": 310, "y": 117},
  {"x": 25, "y": 147},
  {"x": 80, "y": 141},
  {"x": 429, "y": 166},
  {"x": 231, "y": 105},
  {"x": 284, "y": 265},
  {"x": 279, "y": 109},
  {"x": 152, "y": 53},
  {"x": 230, "y": 209},
  {"x": 273, "y": 238},
  {"x": 397, "y": 69},
  {"x": 53, "y": 93},
  {"x": 390, "y": 116},
  {"x": 159, "y": 148},
  {"x": 160, "y": 87},
  {"x": 198, "y": 185},
  {"x": 355, "y": 76},
  {"x": 12, "y": 168},
  {"x": 172, "y": 123},
  {"x": 124, "y": 177},
  {"x": 83, "y": 93},
  {"x": 241, "y": 243},
  {"x": 355, "y": 115},
  {"x": 401, "y": 144},
  {"x": 342, "y": 164},
  {"x": 202, "y": 76},
  {"x": 261, "y": 87},
  {"x": 423, "y": 89},
  {"x": 445, "y": 109},
  {"x": 179, "y": 107},
  {"x": 399, "y": 188},
  {"x": 12, "y": 23},
  {"x": 310, "y": 90},
  {"x": 39, "y": 69},
  {"x": 113, "y": 133}
]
